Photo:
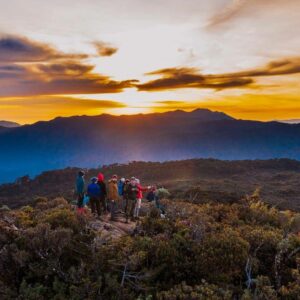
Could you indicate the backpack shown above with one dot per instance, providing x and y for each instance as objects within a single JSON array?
[
  {"x": 150, "y": 196},
  {"x": 94, "y": 190}
]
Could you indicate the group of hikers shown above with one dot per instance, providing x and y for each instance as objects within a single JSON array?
[{"x": 120, "y": 196}]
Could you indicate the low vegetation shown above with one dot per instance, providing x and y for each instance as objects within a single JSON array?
[
  {"x": 195, "y": 180},
  {"x": 242, "y": 250}
]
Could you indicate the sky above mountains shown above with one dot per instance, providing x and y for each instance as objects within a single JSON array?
[{"x": 70, "y": 57}]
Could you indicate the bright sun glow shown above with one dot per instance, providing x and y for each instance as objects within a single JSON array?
[{"x": 132, "y": 56}]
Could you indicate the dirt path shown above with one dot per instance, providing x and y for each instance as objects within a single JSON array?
[
  {"x": 111, "y": 230},
  {"x": 120, "y": 223}
]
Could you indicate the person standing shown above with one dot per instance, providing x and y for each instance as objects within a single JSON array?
[
  {"x": 94, "y": 193},
  {"x": 131, "y": 191},
  {"x": 121, "y": 185},
  {"x": 125, "y": 195},
  {"x": 80, "y": 184},
  {"x": 113, "y": 196},
  {"x": 103, "y": 192},
  {"x": 138, "y": 204}
]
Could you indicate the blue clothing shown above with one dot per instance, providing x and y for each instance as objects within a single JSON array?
[
  {"x": 151, "y": 196},
  {"x": 94, "y": 190},
  {"x": 86, "y": 200},
  {"x": 80, "y": 185},
  {"x": 121, "y": 188}
]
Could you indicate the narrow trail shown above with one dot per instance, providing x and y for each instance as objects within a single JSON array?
[
  {"x": 120, "y": 223},
  {"x": 111, "y": 230}
]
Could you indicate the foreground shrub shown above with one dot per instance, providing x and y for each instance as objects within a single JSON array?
[
  {"x": 204, "y": 291},
  {"x": 209, "y": 251}
]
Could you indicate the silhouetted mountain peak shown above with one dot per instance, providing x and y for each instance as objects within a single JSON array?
[
  {"x": 211, "y": 115},
  {"x": 9, "y": 124},
  {"x": 86, "y": 141},
  {"x": 200, "y": 114}
]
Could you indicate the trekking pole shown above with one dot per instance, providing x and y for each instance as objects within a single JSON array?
[{"x": 123, "y": 281}]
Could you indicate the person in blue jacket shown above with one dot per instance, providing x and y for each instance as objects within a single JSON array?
[
  {"x": 121, "y": 185},
  {"x": 94, "y": 193},
  {"x": 80, "y": 184}
]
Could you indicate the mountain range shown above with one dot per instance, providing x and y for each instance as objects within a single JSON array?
[
  {"x": 90, "y": 141},
  {"x": 9, "y": 124}
]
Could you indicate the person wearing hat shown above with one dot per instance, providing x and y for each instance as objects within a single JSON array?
[
  {"x": 80, "y": 184},
  {"x": 113, "y": 196},
  {"x": 103, "y": 190},
  {"x": 94, "y": 193}
]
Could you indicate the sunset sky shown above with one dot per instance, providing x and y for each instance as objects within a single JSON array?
[{"x": 76, "y": 57}]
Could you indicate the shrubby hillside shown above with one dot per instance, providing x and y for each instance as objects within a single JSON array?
[
  {"x": 195, "y": 180},
  {"x": 245, "y": 250}
]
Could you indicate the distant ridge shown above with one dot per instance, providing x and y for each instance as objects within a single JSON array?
[
  {"x": 9, "y": 124},
  {"x": 88, "y": 141},
  {"x": 201, "y": 114}
]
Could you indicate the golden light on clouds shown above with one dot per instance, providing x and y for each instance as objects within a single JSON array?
[
  {"x": 240, "y": 57},
  {"x": 28, "y": 110}
]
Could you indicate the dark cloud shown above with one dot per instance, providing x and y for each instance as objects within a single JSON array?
[
  {"x": 20, "y": 49},
  {"x": 105, "y": 49},
  {"x": 173, "y": 78},
  {"x": 30, "y": 68},
  {"x": 58, "y": 78},
  {"x": 68, "y": 68},
  {"x": 223, "y": 83},
  {"x": 176, "y": 78},
  {"x": 11, "y": 72},
  {"x": 274, "y": 68}
]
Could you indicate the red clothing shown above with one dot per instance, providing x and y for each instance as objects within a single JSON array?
[
  {"x": 140, "y": 191},
  {"x": 100, "y": 177}
]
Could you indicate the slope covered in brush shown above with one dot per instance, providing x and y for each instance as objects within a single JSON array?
[
  {"x": 204, "y": 179},
  {"x": 208, "y": 251}
]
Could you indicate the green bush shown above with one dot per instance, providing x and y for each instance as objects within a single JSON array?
[{"x": 200, "y": 251}]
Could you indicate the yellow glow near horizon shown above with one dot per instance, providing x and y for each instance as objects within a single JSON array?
[{"x": 200, "y": 37}]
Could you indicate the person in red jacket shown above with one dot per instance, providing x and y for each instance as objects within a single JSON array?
[
  {"x": 139, "y": 198},
  {"x": 103, "y": 194}
]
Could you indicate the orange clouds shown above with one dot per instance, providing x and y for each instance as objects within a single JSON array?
[
  {"x": 20, "y": 49},
  {"x": 32, "y": 68},
  {"x": 29, "y": 68},
  {"x": 278, "y": 67},
  {"x": 64, "y": 78},
  {"x": 178, "y": 78},
  {"x": 28, "y": 110},
  {"x": 37, "y": 70}
]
